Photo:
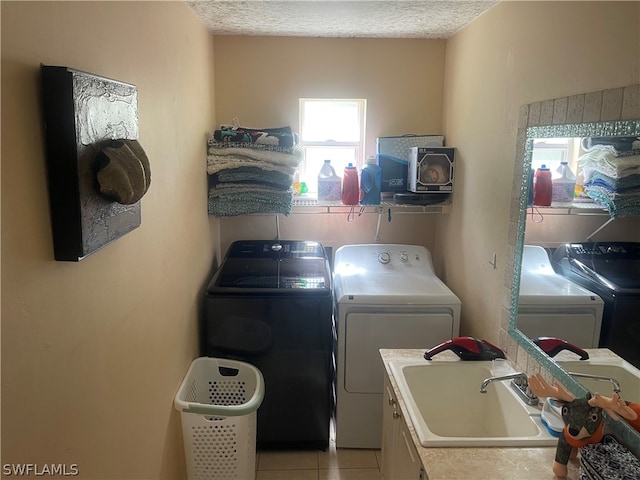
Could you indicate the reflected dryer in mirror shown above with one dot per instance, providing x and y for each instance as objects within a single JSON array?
[{"x": 568, "y": 117}]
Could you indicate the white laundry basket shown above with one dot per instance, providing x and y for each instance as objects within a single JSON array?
[{"x": 218, "y": 400}]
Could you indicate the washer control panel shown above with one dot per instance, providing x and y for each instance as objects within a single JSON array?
[{"x": 608, "y": 250}]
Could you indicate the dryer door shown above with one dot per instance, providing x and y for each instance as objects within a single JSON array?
[
  {"x": 366, "y": 333},
  {"x": 581, "y": 329}
]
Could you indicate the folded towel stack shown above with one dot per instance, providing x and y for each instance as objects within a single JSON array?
[
  {"x": 620, "y": 145},
  {"x": 611, "y": 170},
  {"x": 251, "y": 170}
]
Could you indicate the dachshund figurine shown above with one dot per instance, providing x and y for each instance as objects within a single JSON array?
[{"x": 583, "y": 418}]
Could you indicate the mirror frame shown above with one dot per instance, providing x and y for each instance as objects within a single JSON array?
[{"x": 614, "y": 112}]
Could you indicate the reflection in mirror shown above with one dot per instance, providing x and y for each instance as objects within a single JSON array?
[
  {"x": 584, "y": 289},
  {"x": 562, "y": 219}
]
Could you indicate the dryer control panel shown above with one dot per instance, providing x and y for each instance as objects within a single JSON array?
[
  {"x": 403, "y": 256},
  {"x": 384, "y": 258}
]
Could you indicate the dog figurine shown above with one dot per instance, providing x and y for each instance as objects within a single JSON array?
[{"x": 583, "y": 418}]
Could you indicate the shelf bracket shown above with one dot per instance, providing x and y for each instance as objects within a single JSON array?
[{"x": 600, "y": 228}]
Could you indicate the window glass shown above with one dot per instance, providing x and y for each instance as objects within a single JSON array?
[
  {"x": 330, "y": 129},
  {"x": 326, "y": 120},
  {"x": 552, "y": 151},
  {"x": 340, "y": 157}
]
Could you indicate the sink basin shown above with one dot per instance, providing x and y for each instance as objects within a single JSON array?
[
  {"x": 626, "y": 374},
  {"x": 447, "y": 409}
]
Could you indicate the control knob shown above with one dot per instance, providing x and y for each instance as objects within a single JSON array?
[{"x": 384, "y": 257}]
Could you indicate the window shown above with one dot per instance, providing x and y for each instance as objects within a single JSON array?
[
  {"x": 552, "y": 151},
  {"x": 330, "y": 129}
]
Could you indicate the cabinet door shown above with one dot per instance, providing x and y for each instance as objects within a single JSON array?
[
  {"x": 400, "y": 460},
  {"x": 407, "y": 465},
  {"x": 389, "y": 410}
]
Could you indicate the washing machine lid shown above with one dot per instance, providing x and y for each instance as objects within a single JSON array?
[
  {"x": 267, "y": 265},
  {"x": 614, "y": 265},
  {"x": 540, "y": 285}
]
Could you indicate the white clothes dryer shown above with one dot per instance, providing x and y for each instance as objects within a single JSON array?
[
  {"x": 385, "y": 296},
  {"x": 551, "y": 305}
]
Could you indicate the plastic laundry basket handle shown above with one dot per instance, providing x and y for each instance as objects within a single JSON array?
[
  {"x": 224, "y": 410},
  {"x": 231, "y": 410}
]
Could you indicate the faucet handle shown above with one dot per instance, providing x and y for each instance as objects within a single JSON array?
[
  {"x": 552, "y": 346},
  {"x": 522, "y": 388}
]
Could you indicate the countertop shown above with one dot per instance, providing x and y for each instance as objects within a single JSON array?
[{"x": 490, "y": 463}]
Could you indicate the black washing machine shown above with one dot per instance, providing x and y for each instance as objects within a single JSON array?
[
  {"x": 612, "y": 271},
  {"x": 270, "y": 304}
]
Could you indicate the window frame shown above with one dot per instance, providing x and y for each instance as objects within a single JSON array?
[
  {"x": 358, "y": 146},
  {"x": 570, "y": 147}
]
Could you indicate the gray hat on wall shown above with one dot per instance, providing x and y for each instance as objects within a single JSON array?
[{"x": 123, "y": 172}]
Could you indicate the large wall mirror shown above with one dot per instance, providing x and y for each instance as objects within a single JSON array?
[{"x": 565, "y": 126}]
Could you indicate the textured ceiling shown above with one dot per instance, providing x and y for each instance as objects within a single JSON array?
[{"x": 339, "y": 18}]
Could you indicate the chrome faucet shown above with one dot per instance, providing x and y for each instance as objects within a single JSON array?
[
  {"x": 613, "y": 381},
  {"x": 519, "y": 383},
  {"x": 511, "y": 376}
]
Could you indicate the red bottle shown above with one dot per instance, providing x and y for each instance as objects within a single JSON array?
[
  {"x": 542, "y": 187},
  {"x": 350, "y": 186}
]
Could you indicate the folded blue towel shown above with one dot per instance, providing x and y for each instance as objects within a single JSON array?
[
  {"x": 598, "y": 178},
  {"x": 617, "y": 204}
]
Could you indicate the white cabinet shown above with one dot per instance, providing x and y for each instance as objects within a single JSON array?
[{"x": 400, "y": 460}]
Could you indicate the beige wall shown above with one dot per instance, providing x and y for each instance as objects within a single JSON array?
[
  {"x": 515, "y": 54},
  {"x": 93, "y": 352},
  {"x": 260, "y": 79}
]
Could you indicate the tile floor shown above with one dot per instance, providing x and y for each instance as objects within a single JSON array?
[{"x": 332, "y": 464}]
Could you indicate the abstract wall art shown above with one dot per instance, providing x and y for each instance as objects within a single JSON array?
[{"x": 96, "y": 169}]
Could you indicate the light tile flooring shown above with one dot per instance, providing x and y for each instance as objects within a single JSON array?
[{"x": 332, "y": 464}]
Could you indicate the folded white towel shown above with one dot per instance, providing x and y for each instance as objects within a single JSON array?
[
  {"x": 218, "y": 163},
  {"x": 291, "y": 159},
  {"x": 605, "y": 162}
]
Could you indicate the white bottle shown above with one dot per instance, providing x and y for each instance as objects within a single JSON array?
[
  {"x": 563, "y": 185},
  {"x": 329, "y": 183}
]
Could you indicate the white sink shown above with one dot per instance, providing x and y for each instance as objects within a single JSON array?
[
  {"x": 626, "y": 374},
  {"x": 447, "y": 409}
]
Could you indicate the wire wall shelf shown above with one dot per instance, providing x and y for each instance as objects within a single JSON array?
[{"x": 309, "y": 206}]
